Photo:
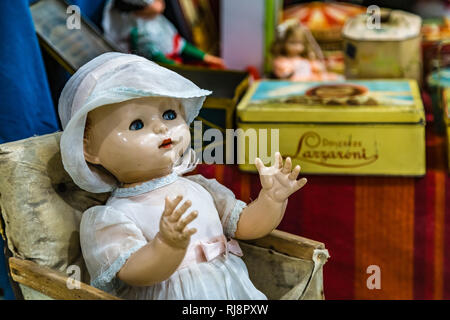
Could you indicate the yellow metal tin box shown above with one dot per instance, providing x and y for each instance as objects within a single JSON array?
[
  {"x": 391, "y": 49},
  {"x": 372, "y": 127}
]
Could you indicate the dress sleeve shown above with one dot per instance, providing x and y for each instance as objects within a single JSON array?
[
  {"x": 228, "y": 207},
  {"x": 108, "y": 238},
  {"x": 141, "y": 45},
  {"x": 192, "y": 52}
]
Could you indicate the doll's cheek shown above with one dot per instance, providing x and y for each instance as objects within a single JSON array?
[
  {"x": 121, "y": 137},
  {"x": 186, "y": 141},
  {"x": 182, "y": 147},
  {"x": 147, "y": 141},
  {"x": 181, "y": 131}
]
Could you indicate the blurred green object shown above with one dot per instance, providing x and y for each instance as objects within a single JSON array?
[{"x": 437, "y": 82}]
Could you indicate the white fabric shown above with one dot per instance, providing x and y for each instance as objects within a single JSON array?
[
  {"x": 117, "y": 26},
  {"x": 155, "y": 35},
  {"x": 139, "y": 2},
  {"x": 222, "y": 196},
  {"x": 110, "y": 234},
  {"x": 145, "y": 187},
  {"x": 112, "y": 78}
]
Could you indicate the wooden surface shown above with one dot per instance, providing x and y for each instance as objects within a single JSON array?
[
  {"x": 52, "y": 283},
  {"x": 289, "y": 244}
]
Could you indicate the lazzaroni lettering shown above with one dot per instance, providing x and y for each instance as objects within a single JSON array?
[{"x": 311, "y": 148}]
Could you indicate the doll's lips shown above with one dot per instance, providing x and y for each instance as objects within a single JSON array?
[{"x": 166, "y": 144}]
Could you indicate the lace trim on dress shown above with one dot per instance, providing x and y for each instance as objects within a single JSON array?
[
  {"x": 233, "y": 220},
  {"x": 145, "y": 187},
  {"x": 107, "y": 280}
]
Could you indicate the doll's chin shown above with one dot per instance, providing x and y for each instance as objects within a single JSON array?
[{"x": 170, "y": 157}]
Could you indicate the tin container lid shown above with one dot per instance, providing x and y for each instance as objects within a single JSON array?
[
  {"x": 440, "y": 78},
  {"x": 359, "y": 101},
  {"x": 395, "y": 25}
]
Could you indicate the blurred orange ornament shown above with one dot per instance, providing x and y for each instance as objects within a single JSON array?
[{"x": 324, "y": 19}]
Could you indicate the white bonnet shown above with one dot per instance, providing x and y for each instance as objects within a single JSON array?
[
  {"x": 139, "y": 2},
  {"x": 111, "y": 78}
]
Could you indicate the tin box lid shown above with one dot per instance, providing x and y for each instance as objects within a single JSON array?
[
  {"x": 440, "y": 78},
  {"x": 359, "y": 101},
  {"x": 395, "y": 25}
]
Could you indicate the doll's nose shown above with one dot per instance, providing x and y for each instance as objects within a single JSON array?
[{"x": 159, "y": 127}]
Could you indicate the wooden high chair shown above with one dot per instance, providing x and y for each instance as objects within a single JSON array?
[{"x": 41, "y": 209}]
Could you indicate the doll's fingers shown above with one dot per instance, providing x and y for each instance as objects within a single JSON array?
[
  {"x": 278, "y": 161},
  {"x": 294, "y": 174},
  {"x": 300, "y": 183},
  {"x": 259, "y": 165},
  {"x": 167, "y": 205},
  {"x": 264, "y": 176},
  {"x": 175, "y": 216},
  {"x": 188, "y": 233},
  {"x": 183, "y": 223},
  {"x": 287, "y": 166},
  {"x": 170, "y": 205}
]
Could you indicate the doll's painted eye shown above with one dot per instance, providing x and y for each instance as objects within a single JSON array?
[
  {"x": 136, "y": 125},
  {"x": 169, "y": 115}
]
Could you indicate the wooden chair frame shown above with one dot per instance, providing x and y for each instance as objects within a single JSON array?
[{"x": 54, "y": 284}]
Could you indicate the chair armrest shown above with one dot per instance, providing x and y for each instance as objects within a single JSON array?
[
  {"x": 52, "y": 283},
  {"x": 288, "y": 244}
]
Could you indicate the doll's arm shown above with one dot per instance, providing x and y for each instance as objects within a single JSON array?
[
  {"x": 282, "y": 68},
  {"x": 317, "y": 66},
  {"x": 192, "y": 52},
  {"x": 265, "y": 213},
  {"x": 159, "y": 259},
  {"x": 260, "y": 217},
  {"x": 160, "y": 57}
]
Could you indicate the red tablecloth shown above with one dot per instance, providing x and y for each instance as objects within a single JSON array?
[{"x": 400, "y": 224}]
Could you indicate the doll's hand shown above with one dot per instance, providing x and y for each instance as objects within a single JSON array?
[
  {"x": 278, "y": 181},
  {"x": 214, "y": 61},
  {"x": 282, "y": 69},
  {"x": 172, "y": 230}
]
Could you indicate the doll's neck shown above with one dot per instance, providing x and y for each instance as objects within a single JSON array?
[
  {"x": 296, "y": 55},
  {"x": 145, "y": 187},
  {"x": 159, "y": 175}
]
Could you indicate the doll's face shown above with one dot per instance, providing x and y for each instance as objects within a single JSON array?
[
  {"x": 152, "y": 10},
  {"x": 137, "y": 140},
  {"x": 295, "y": 44}
]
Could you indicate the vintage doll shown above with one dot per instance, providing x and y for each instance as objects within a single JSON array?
[
  {"x": 139, "y": 26},
  {"x": 297, "y": 56},
  {"x": 159, "y": 235}
]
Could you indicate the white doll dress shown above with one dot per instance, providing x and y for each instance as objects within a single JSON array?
[
  {"x": 211, "y": 269},
  {"x": 156, "y": 35}
]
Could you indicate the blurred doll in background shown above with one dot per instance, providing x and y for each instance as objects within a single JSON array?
[
  {"x": 297, "y": 56},
  {"x": 139, "y": 26}
]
